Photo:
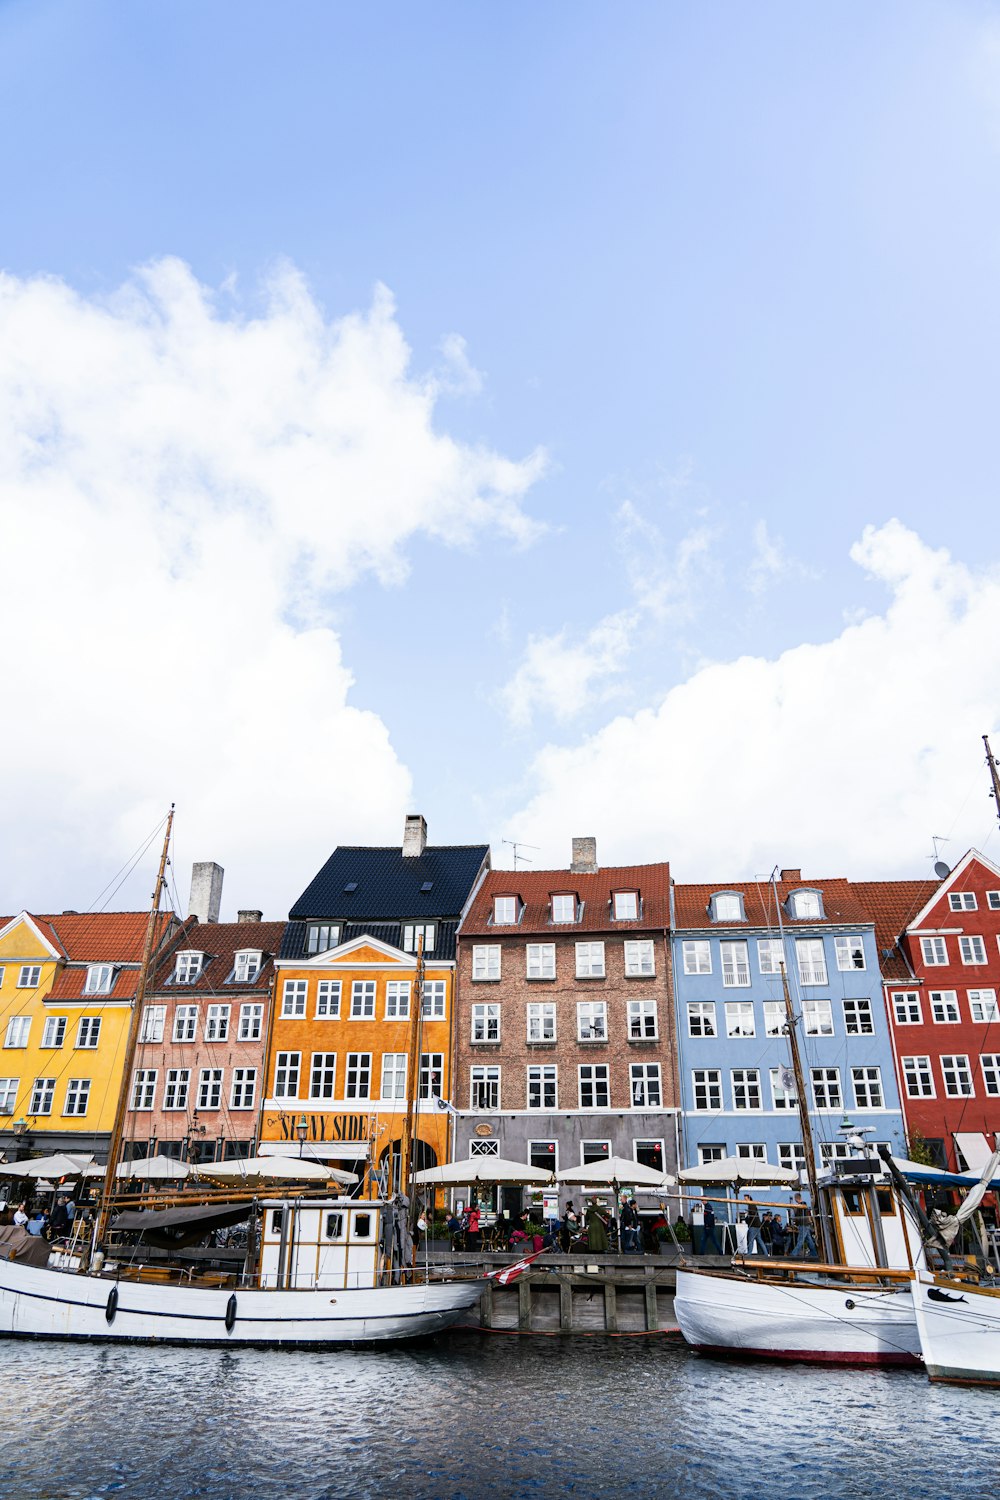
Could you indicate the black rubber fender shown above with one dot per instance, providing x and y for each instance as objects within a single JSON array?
[
  {"x": 112, "y": 1307},
  {"x": 231, "y": 1313}
]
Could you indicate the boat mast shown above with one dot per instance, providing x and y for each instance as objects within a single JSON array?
[
  {"x": 994, "y": 775},
  {"x": 118, "y": 1129},
  {"x": 408, "y": 1134}
]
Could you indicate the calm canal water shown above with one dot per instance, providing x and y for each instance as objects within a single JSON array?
[{"x": 474, "y": 1416}]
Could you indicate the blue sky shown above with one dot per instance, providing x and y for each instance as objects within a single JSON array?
[{"x": 731, "y": 270}]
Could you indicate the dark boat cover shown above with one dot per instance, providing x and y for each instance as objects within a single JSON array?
[{"x": 173, "y": 1228}]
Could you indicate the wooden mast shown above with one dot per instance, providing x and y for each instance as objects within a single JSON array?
[
  {"x": 118, "y": 1129},
  {"x": 408, "y": 1134},
  {"x": 994, "y": 776}
]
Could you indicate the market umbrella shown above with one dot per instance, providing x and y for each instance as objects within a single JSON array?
[
  {"x": 616, "y": 1171},
  {"x": 59, "y": 1165},
  {"x": 733, "y": 1170},
  {"x": 482, "y": 1169},
  {"x": 155, "y": 1169},
  {"x": 256, "y": 1171}
]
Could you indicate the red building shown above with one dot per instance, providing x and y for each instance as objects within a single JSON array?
[{"x": 939, "y": 945}]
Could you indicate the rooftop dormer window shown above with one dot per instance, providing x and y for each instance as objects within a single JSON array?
[
  {"x": 414, "y": 931},
  {"x": 321, "y": 936},
  {"x": 505, "y": 911},
  {"x": 727, "y": 906},
  {"x": 564, "y": 908},
  {"x": 187, "y": 967},
  {"x": 100, "y": 978},
  {"x": 247, "y": 965},
  {"x": 625, "y": 906},
  {"x": 805, "y": 904}
]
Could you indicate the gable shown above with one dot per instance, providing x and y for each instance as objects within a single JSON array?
[
  {"x": 972, "y": 873},
  {"x": 23, "y": 938}
]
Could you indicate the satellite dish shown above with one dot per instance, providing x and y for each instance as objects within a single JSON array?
[{"x": 941, "y": 870}]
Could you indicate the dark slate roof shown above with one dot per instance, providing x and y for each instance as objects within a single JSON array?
[
  {"x": 388, "y": 886},
  {"x": 293, "y": 942}
]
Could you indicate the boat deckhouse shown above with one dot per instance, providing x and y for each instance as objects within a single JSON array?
[
  {"x": 940, "y": 947},
  {"x": 565, "y": 1051},
  {"x": 348, "y": 1047},
  {"x": 731, "y": 942}
]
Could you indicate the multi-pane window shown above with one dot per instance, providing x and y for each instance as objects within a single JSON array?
[
  {"x": 543, "y": 1154},
  {"x": 328, "y": 1000},
  {"x": 775, "y": 1016},
  {"x": 746, "y": 1088},
  {"x": 850, "y": 951},
  {"x": 185, "y": 1023},
  {"x": 806, "y": 904},
  {"x": 811, "y": 960},
  {"x": 867, "y": 1088},
  {"x": 88, "y": 1032},
  {"x": 187, "y": 968},
  {"x": 251, "y": 1022},
  {"x": 100, "y": 978},
  {"x": 209, "y": 1088},
  {"x": 826, "y": 1088},
  {"x": 701, "y": 1018},
  {"x": 639, "y": 958},
  {"x": 486, "y": 1023},
  {"x": 993, "y": 900},
  {"x": 175, "y": 1088},
  {"x": 485, "y": 1148},
  {"x": 858, "y": 1018},
  {"x": 944, "y": 1007},
  {"x": 143, "y": 1088},
  {"x": 359, "y": 1075},
  {"x": 287, "y": 1066},
  {"x": 728, "y": 908},
  {"x": 972, "y": 950},
  {"x": 484, "y": 1086},
  {"x": 394, "y": 1075},
  {"x": 54, "y": 1031},
  {"x": 77, "y": 1096},
  {"x": 707, "y": 1087},
  {"x": 917, "y": 1077},
  {"x": 414, "y": 931},
  {"x": 363, "y": 1000},
  {"x": 153, "y": 1019},
  {"x": 735, "y": 965},
  {"x": 486, "y": 960},
  {"x": 18, "y": 1029},
  {"x": 243, "y": 1091},
  {"x": 625, "y": 906},
  {"x": 591, "y": 1021},
  {"x": 29, "y": 977},
  {"x": 770, "y": 955},
  {"x": 542, "y": 1086},
  {"x": 293, "y": 998},
  {"x": 541, "y": 960},
  {"x": 246, "y": 966},
  {"x": 595, "y": 1088},
  {"x": 791, "y": 1154},
  {"x": 322, "y": 936},
  {"x": 504, "y": 911},
  {"x": 431, "y": 1075},
  {"x": 590, "y": 960},
  {"x": 817, "y": 1017},
  {"x": 983, "y": 1005},
  {"x": 751, "y": 1151},
  {"x": 739, "y": 1018},
  {"x": 397, "y": 1000},
  {"x": 962, "y": 900},
  {"x": 906, "y": 1008},
  {"x": 642, "y": 1021},
  {"x": 217, "y": 1023},
  {"x": 433, "y": 999},
  {"x": 783, "y": 1091},
  {"x": 934, "y": 951},
  {"x": 709, "y": 1151},
  {"x": 957, "y": 1077},
  {"x": 564, "y": 908},
  {"x": 989, "y": 1062},
  {"x": 697, "y": 957},
  {"x": 644, "y": 1081},
  {"x": 8, "y": 1095},
  {"x": 541, "y": 1023},
  {"x": 323, "y": 1076}
]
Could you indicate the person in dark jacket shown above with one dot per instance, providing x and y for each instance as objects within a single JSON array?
[
  {"x": 59, "y": 1222},
  {"x": 710, "y": 1238}
]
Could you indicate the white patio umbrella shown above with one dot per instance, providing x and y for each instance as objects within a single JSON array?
[
  {"x": 154, "y": 1169},
  {"x": 482, "y": 1169},
  {"x": 616, "y": 1171},
  {"x": 256, "y": 1171},
  {"x": 59, "y": 1165},
  {"x": 737, "y": 1169}
]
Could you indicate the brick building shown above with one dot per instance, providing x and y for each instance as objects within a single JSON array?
[{"x": 565, "y": 1049}]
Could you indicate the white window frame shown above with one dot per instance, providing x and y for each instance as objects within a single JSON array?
[
  {"x": 858, "y": 1008},
  {"x": 144, "y": 1089},
  {"x": 243, "y": 1088},
  {"x": 542, "y": 1083},
  {"x": 486, "y": 962},
  {"x": 934, "y": 952},
  {"x": 322, "y": 1075},
  {"x": 88, "y": 1033},
  {"x": 77, "y": 1093},
  {"x": 989, "y": 1067},
  {"x": 727, "y": 906},
  {"x": 18, "y": 1031},
  {"x": 740, "y": 1010},
  {"x": 484, "y": 1087},
  {"x": 9, "y": 1089},
  {"x": 810, "y": 956},
  {"x": 985, "y": 1002},
  {"x": 434, "y": 1000},
  {"x": 640, "y": 1013},
  {"x": 431, "y": 1064},
  {"x": 849, "y": 947},
  {"x": 770, "y": 955},
  {"x": 807, "y": 905},
  {"x": 100, "y": 979},
  {"x": 640, "y": 958},
  {"x": 210, "y": 1081},
  {"x": 486, "y": 1017},
  {"x": 413, "y": 931},
  {"x": 30, "y": 977},
  {"x": 866, "y": 1083},
  {"x": 187, "y": 966},
  {"x": 702, "y": 1011},
  {"x": 625, "y": 906},
  {"x": 734, "y": 957},
  {"x": 287, "y": 1075},
  {"x": 745, "y": 1084},
  {"x": 594, "y": 1079},
  {"x": 962, "y": 901},
  {"x": 817, "y": 1017},
  {"x": 247, "y": 964},
  {"x": 645, "y": 1080},
  {"x": 540, "y": 961},
  {"x": 364, "y": 997},
  {"x": 185, "y": 1027},
  {"x": 972, "y": 950},
  {"x": 592, "y": 1020},
  {"x": 294, "y": 999},
  {"x": 154, "y": 1018},
  {"x": 945, "y": 1001},
  {"x": 358, "y": 1078},
  {"x": 54, "y": 1033},
  {"x": 43, "y": 1093},
  {"x": 792, "y": 1154},
  {"x": 696, "y": 955},
  {"x": 216, "y": 1023},
  {"x": 955, "y": 1069},
  {"x": 398, "y": 999},
  {"x": 782, "y": 1098},
  {"x": 775, "y": 1017},
  {"x": 825, "y": 1083},
  {"x": 706, "y": 1085},
  {"x": 321, "y": 937},
  {"x": 176, "y": 1089},
  {"x": 993, "y": 900},
  {"x": 328, "y": 998},
  {"x": 904, "y": 1004},
  {"x": 251, "y": 1025},
  {"x": 394, "y": 1069},
  {"x": 540, "y": 1021},
  {"x": 918, "y": 1077},
  {"x": 561, "y": 912},
  {"x": 505, "y": 911},
  {"x": 590, "y": 961}
]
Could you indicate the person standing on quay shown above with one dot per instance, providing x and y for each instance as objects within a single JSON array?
[
  {"x": 710, "y": 1237},
  {"x": 597, "y": 1230},
  {"x": 754, "y": 1236},
  {"x": 802, "y": 1223}
]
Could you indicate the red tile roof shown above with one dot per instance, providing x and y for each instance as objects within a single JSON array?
[
  {"x": 220, "y": 942},
  {"x": 594, "y": 889},
  {"x": 840, "y": 904},
  {"x": 100, "y": 937},
  {"x": 892, "y": 904}
]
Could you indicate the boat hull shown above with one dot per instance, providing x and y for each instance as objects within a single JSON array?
[
  {"x": 822, "y": 1323},
  {"x": 38, "y": 1302},
  {"x": 959, "y": 1328}
]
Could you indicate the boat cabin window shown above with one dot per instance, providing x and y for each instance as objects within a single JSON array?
[
  {"x": 886, "y": 1203},
  {"x": 853, "y": 1200},
  {"x": 335, "y": 1226},
  {"x": 276, "y": 1221},
  {"x": 362, "y": 1226}
]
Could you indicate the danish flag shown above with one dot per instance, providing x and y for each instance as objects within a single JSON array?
[{"x": 511, "y": 1273}]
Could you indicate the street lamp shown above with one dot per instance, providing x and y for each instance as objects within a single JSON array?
[{"x": 302, "y": 1130}]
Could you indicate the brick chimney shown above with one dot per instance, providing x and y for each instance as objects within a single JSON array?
[
  {"x": 794, "y": 876},
  {"x": 414, "y": 836},
  {"x": 206, "y": 891},
  {"x": 584, "y": 857},
  {"x": 249, "y": 916}
]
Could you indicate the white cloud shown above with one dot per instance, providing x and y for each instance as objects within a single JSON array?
[
  {"x": 771, "y": 561},
  {"x": 841, "y": 757},
  {"x": 182, "y": 485}
]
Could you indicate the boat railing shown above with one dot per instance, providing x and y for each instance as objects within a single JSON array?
[{"x": 767, "y": 1268}]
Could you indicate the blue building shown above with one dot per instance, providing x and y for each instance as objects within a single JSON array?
[{"x": 737, "y": 1087}]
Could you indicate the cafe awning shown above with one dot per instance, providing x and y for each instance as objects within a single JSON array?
[
  {"x": 482, "y": 1169},
  {"x": 616, "y": 1169},
  {"x": 975, "y": 1149}
]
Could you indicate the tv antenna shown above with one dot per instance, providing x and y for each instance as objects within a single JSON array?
[
  {"x": 941, "y": 869},
  {"x": 516, "y": 844}
]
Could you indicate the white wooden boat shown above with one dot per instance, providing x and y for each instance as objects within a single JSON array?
[{"x": 959, "y": 1326}]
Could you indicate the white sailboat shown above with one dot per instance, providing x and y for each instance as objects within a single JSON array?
[{"x": 323, "y": 1271}]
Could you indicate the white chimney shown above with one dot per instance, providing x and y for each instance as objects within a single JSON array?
[
  {"x": 584, "y": 857},
  {"x": 249, "y": 916},
  {"x": 414, "y": 836},
  {"x": 206, "y": 891}
]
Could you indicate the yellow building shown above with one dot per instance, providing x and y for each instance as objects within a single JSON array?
[{"x": 66, "y": 989}]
